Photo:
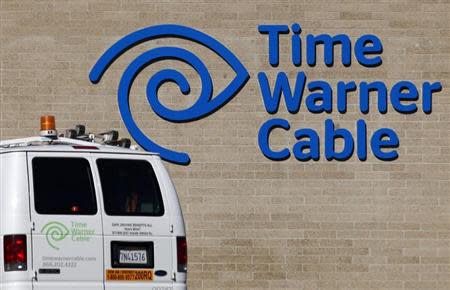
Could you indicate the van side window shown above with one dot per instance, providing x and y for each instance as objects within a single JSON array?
[
  {"x": 63, "y": 186},
  {"x": 130, "y": 188}
]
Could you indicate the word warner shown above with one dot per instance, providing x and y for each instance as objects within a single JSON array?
[{"x": 318, "y": 96}]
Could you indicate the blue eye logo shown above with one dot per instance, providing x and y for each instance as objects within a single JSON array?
[{"x": 205, "y": 104}]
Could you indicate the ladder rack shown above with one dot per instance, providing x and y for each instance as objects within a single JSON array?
[
  {"x": 75, "y": 136},
  {"x": 23, "y": 142}
]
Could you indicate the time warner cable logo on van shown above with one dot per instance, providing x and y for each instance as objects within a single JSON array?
[
  {"x": 55, "y": 232},
  {"x": 317, "y": 95}
]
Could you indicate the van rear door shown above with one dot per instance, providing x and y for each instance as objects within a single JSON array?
[
  {"x": 138, "y": 245},
  {"x": 67, "y": 242}
]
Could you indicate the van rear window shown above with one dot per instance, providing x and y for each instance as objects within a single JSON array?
[
  {"x": 63, "y": 186},
  {"x": 130, "y": 188}
]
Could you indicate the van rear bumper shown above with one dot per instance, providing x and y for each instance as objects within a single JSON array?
[
  {"x": 25, "y": 285},
  {"x": 179, "y": 286},
  {"x": 148, "y": 286},
  {"x": 28, "y": 286}
]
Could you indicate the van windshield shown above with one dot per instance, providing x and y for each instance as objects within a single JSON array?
[{"x": 130, "y": 188}]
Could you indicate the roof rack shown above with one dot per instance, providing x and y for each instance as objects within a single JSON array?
[
  {"x": 110, "y": 138},
  {"x": 32, "y": 141},
  {"x": 76, "y": 136}
]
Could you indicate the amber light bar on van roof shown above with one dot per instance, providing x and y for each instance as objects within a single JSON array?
[
  {"x": 48, "y": 123},
  {"x": 48, "y": 127}
]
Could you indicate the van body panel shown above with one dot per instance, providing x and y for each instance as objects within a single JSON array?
[
  {"x": 14, "y": 199},
  {"x": 14, "y": 204},
  {"x": 176, "y": 217},
  {"x": 131, "y": 229},
  {"x": 66, "y": 248},
  {"x": 179, "y": 286},
  {"x": 23, "y": 285}
]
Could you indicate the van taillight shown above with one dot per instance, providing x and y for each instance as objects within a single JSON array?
[
  {"x": 15, "y": 252},
  {"x": 182, "y": 254}
]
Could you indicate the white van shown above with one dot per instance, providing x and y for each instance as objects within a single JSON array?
[{"x": 76, "y": 214}]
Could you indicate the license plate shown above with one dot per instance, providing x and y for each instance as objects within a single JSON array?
[
  {"x": 129, "y": 275},
  {"x": 133, "y": 257}
]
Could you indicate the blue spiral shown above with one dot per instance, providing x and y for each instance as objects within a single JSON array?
[
  {"x": 153, "y": 85},
  {"x": 204, "y": 105}
]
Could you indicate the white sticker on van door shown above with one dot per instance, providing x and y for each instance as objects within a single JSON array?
[
  {"x": 55, "y": 232},
  {"x": 132, "y": 229}
]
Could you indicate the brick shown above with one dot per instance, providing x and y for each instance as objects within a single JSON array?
[{"x": 253, "y": 223}]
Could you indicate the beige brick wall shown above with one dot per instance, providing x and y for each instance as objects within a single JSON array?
[{"x": 253, "y": 223}]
